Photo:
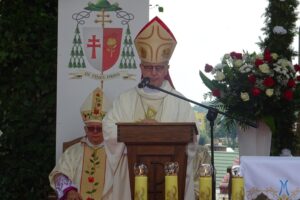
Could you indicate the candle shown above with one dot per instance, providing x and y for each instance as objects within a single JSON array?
[
  {"x": 140, "y": 188},
  {"x": 171, "y": 180},
  {"x": 140, "y": 181},
  {"x": 205, "y": 173},
  {"x": 237, "y": 191},
  {"x": 171, "y": 187},
  {"x": 205, "y": 188}
]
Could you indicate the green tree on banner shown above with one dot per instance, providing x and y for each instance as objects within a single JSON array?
[
  {"x": 77, "y": 60},
  {"x": 127, "y": 55}
]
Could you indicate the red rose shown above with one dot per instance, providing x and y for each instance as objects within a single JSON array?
[
  {"x": 268, "y": 82},
  {"x": 267, "y": 55},
  {"x": 208, "y": 68},
  {"x": 291, "y": 83},
  {"x": 288, "y": 95},
  {"x": 91, "y": 179},
  {"x": 297, "y": 67},
  {"x": 235, "y": 55},
  {"x": 256, "y": 91},
  {"x": 298, "y": 78},
  {"x": 252, "y": 78},
  {"x": 216, "y": 92},
  {"x": 258, "y": 62}
]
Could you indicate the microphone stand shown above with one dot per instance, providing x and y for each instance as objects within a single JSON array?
[{"x": 211, "y": 116}]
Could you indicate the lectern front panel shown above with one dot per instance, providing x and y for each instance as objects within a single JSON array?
[{"x": 154, "y": 145}]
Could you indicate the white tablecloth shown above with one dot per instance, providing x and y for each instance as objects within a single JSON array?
[{"x": 276, "y": 177}]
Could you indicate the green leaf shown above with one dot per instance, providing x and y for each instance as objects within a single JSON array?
[
  {"x": 207, "y": 82},
  {"x": 269, "y": 120}
]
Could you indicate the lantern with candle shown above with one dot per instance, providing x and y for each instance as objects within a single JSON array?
[
  {"x": 171, "y": 180},
  {"x": 205, "y": 181},
  {"x": 140, "y": 181}
]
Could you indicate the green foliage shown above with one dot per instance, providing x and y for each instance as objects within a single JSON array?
[
  {"x": 159, "y": 8},
  {"x": 282, "y": 14},
  {"x": 27, "y": 97}
]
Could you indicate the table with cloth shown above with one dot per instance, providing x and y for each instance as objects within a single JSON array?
[{"x": 275, "y": 177}]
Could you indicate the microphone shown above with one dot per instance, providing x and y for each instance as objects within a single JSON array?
[{"x": 145, "y": 81}]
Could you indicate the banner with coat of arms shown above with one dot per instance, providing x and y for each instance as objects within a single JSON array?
[{"x": 95, "y": 49}]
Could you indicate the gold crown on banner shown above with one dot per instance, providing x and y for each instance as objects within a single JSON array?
[
  {"x": 91, "y": 109},
  {"x": 155, "y": 42}
]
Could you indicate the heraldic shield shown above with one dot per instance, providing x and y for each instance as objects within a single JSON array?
[{"x": 102, "y": 46}]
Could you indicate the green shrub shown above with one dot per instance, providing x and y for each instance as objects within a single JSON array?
[{"x": 28, "y": 45}]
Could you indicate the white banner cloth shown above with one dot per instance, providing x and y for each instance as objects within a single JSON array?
[
  {"x": 95, "y": 49},
  {"x": 276, "y": 177}
]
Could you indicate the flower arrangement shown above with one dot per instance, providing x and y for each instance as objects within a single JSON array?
[{"x": 252, "y": 86}]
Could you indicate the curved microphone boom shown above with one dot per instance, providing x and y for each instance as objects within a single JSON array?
[{"x": 145, "y": 81}]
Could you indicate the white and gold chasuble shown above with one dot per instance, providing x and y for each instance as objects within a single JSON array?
[
  {"x": 129, "y": 108},
  {"x": 87, "y": 175}
]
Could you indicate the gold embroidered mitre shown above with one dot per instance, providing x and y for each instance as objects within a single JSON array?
[
  {"x": 155, "y": 43},
  {"x": 92, "y": 108}
]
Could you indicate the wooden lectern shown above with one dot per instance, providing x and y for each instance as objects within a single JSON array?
[{"x": 155, "y": 144}]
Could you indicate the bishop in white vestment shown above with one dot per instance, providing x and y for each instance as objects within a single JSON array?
[{"x": 155, "y": 44}]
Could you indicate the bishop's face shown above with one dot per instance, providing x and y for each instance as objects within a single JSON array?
[
  {"x": 94, "y": 133},
  {"x": 156, "y": 72}
]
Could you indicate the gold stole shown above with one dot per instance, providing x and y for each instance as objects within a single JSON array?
[{"x": 93, "y": 173}]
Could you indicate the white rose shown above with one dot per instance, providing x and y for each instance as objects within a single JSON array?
[
  {"x": 245, "y": 96},
  {"x": 284, "y": 63},
  {"x": 264, "y": 68},
  {"x": 238, "y": 63},
  {"x": 219, "y": 76},
  {"x": 269, "y": 92},
  {"x": 246, "y": 68},
  {"x": 274, "y": 56},
  {"x": 279, "y": 30}
]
